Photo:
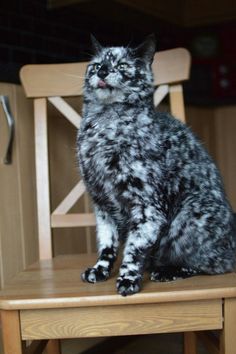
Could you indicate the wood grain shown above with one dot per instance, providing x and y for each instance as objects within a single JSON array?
[
  {"x": 11, "y": 332},
  {"x": 69, "y": 201},
  {"x": 56, "y": 283},
  {"x": 42, "y": 178},
  {"x": 53, "y": 79},
  {"x": 160, "y": 93},
  {"x": 68, "y": 112},
  {"x": 228, "y": 338},
  {"x": 18, "y": 218},
  {"x": 73, "y": 220},
  {"x": 62, "y": 140},
  {"x": 177, "y": 102},
  {"x": 117, "y": 320}
]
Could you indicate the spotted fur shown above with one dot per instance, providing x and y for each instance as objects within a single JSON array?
[{"x": 153, "y": 185}]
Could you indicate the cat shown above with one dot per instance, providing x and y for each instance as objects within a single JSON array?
[{"x": 153, "y": 185}]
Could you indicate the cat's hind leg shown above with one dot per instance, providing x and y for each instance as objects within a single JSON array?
[
  {"x": 201, "y": 236},
  {"x": 172, "y": 273},
  {"x": 107, "y": 239}
]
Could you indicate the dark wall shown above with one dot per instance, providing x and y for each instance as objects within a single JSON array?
[
  {"x": 32, "y": 33},
  {"x": 29, "y": 33}
]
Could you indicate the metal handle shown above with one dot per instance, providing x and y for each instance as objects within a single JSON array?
[{"x": 11, "y": 126}]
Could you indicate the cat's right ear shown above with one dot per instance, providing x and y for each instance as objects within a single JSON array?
[
  {"x": 97, "y": 48},
  {"x": 146, "y": 50}
]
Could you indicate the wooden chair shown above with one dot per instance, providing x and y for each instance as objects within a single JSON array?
[{"x": 48, "y": 301}]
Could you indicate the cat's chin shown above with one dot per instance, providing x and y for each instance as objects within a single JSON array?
[{"x": 109, "y": 95}]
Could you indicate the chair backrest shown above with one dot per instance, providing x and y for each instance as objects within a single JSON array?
[{"x": 52, "y": 82}]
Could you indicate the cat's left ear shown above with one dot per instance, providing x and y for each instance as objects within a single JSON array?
[
  {"x": 146, "y": 50},
  {"x": 97, "y": 47}
]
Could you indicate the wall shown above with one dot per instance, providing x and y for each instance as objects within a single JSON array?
[
  {"x": 31, "y": 34},
  {"x": 216, "y": 128}
]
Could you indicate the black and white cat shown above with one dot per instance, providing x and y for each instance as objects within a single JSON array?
[{"x": 153, "y": 185}]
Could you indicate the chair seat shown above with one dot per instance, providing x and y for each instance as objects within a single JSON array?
[
  {"x": 53, "y": 302},
  {"x": 57, "y": 283}
]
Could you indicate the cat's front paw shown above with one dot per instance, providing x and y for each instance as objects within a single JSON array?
[
  {"x": 126, "y": 286},
  {"x": 93, "y": 275}
]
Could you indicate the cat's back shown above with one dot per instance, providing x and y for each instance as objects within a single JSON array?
[{"x": 178, "y": 135}]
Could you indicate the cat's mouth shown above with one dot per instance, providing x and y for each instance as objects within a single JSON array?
[{"x": 104, "y": 85}]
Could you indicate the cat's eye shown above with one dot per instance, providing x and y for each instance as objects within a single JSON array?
[
  {"x": 96, "y": 66},
  {"x": 122, "y": 66}
]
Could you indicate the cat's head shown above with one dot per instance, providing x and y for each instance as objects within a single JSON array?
[{"x": 119, "y": 74}]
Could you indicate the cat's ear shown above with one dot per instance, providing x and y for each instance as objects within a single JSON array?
[
  {"x": 146, "y": 50},
  {"x": 95, "y": 44}
]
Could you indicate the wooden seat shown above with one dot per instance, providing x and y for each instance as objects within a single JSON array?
[{"x": 48, "y": 301}]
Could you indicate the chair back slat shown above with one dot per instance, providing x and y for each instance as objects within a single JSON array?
[
  {"x": 42, "y": 178},
  {"x": 177, "y": 102},
  {"x": 171, "y": 66},
  {"x": 47, "y": 80}
]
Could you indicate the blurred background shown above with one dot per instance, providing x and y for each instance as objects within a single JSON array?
[
  {"x": 50, "y": 31},
  {"x": 58, "y": 31}
]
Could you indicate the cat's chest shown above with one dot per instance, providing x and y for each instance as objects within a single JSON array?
[{"x": 102, "y": 141}]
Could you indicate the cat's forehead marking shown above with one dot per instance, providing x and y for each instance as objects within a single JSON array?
[
  {"x": 109, "y": 56},
  {"x": 114, "y": 54}
]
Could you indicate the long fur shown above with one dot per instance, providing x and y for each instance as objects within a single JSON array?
[{"x": 153, "y": 185}]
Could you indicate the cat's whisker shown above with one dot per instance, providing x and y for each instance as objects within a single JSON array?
[
  {"x": 128, "y": 45},
  {"x": 89, "y": 54},
  {"x": 79, "y": 77}
]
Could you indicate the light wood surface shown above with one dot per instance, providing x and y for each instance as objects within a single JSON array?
[
  {"x": 66, "y": 110},
  {"x": 160, "y": 93},
  {"x": 18, "y": 225},
  {"x": 177, "y": 102},
  {"x": 11, "y": 332},
  {"x": 73, "y": 220},
  {"x": 171, "y": 66},
  {"x": 68, "y": 202},
  {"x": 63, "y": 163},
  {"x": 42, "y": 178},
  {"x": 56, "y": 283},
  {"x": 108, "y": 321},
  {"x": 53, "y": 79},
  {"x": 228, "y": 342}
]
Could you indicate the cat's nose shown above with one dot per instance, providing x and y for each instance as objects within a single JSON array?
[{"x": 102, "y": 72}]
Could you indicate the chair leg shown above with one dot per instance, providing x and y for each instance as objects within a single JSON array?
[
  {"x": 190, "y": 343},
  {"x": 11, "y": 332},
  {"x": 228, "y": 338},
  {"x": 53, "y": 346}
]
